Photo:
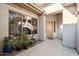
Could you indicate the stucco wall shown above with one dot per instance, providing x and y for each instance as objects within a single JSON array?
[
  {"x": 3, "y": 24},
  {"x": 59, "y": 26}
]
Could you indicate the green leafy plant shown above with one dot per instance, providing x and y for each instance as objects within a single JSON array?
[
  {"x": 14, "y": 43},
  {"x": 24, "y": 40},
  {"x": 34, "y": 40},
  {"x": 9, "y": 41},
  {"x": 30, "y": 42},
  {"x": 17, "y": 43}
]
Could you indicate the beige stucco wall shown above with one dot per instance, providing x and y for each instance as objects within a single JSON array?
[
  {"x": 59, "y": 26},
  {"x": 3, "y": 23}
]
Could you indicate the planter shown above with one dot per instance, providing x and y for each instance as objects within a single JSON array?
[
  {"x": 7, "y": 49},
  {"x": 25, "y": 47},
  {"x": 18, "y": 48}
]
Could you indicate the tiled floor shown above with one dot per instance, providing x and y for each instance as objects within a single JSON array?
[{"x": 51, "y": 47}]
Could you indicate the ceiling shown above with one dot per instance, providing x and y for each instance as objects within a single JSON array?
[
  {"x": 67, "y": 4},
  {"x": 40, "y": 4},
  {"x": 43, "y": 5},
  {"x": 28, "y": 6},
  {"x": 41, "y": 8}
]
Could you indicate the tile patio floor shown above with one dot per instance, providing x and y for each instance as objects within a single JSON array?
[{"x": 51, "y": 47}]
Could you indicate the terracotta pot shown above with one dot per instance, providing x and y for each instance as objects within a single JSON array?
[{"x": 18, "y": 48}]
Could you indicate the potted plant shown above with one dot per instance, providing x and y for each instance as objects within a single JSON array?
[
  {"x": 8, "y": 45},
  {"x": 17, "y": 45},
  {"x": 14, "y": 43},
  {"x": 34, "y": 40},
  {"x": 30, "y": 42},
  {"x": 25, "y": 44},
  {"x": 24, "y": 41}
]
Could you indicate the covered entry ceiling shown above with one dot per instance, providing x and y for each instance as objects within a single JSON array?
[
  {"x": 43, "y": 5},
  {"x": 29, "y": 6},
  {"x": 42, "y": 8}
]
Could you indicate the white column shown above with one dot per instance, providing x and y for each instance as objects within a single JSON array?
[{"x": 42, "y": 28}]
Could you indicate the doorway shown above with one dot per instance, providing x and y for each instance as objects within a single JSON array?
[{"x": 50, "y": 28}]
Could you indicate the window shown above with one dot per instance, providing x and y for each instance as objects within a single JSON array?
[{"x": 19, "y": 23}]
